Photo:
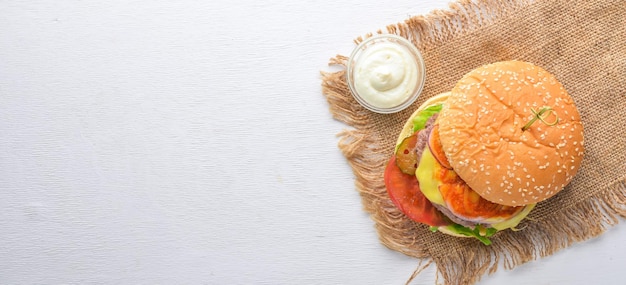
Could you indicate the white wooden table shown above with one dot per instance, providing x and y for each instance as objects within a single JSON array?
[{"x": 188, "y": 142}]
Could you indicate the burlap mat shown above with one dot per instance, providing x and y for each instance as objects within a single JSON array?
[{"x": 583, "y": 43}]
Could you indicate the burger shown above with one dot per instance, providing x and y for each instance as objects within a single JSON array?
[{"x": 476, "y": 160}]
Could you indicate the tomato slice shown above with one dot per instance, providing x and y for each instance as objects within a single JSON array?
[
  {"x": 466, "y": 203},
  {"x": 434, "y": 144},
  {"x": 460, "y": 198},
  {"x": 404, "y": 191}
]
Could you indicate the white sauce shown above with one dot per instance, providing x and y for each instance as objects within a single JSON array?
[{"x": 386, "y": 74}]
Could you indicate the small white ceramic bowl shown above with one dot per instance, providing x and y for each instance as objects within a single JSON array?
[{"x": 415, "y": 58}]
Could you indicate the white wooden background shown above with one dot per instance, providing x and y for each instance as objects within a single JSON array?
[{"x": 187, "y": 142}]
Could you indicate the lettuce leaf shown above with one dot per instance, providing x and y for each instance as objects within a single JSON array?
[
  {"x": 419, "y": 121},
  {"x": 474, "y": 232}
]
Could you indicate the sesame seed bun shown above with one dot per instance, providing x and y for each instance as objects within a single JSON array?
[{"x": 481, "y": 133}]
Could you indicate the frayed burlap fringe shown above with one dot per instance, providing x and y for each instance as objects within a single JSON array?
[
  {"x": 462, "y": 17},
  {"x": 583, "y": 221},
  {"x": 369, "y": 143}
]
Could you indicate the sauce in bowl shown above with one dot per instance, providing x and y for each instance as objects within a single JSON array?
[{"x": 386, "y": 73}]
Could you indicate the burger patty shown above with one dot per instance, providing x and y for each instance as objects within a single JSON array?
[{"x": 422, "y": 136}]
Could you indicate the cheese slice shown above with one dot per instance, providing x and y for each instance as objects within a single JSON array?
[
  {"x": 515, "y": 220},
  {"x": 427, "y": 181}
]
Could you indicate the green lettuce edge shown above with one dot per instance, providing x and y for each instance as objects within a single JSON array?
[{"x": 419, "y": 121}]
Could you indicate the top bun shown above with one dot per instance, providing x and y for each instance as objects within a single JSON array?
[{"x": 481, "y": 133}]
